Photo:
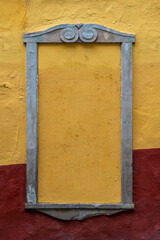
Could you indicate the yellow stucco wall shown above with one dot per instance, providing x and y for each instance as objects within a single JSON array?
[
  {"x": 79, "y": 123},
  {"x": 17, "y": 17}
]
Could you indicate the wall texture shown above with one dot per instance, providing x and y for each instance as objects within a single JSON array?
[
  {"x": 139, "y": 17},
  {"x": 79, "y": 113}
]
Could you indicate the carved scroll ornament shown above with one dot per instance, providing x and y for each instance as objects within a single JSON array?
[{"x": 83, "y": 33}]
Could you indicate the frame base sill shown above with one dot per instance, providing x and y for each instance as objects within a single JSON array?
[{"x": 78, "y": 211}]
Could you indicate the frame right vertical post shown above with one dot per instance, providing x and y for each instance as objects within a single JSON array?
[{"x": 126, "y": 123}]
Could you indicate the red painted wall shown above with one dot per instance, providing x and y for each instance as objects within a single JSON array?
[{"x": 143, "y": 223}]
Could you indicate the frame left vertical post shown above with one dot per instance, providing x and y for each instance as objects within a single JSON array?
[{"x": 32, "y": 122}]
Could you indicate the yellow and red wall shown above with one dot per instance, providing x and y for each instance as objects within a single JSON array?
[{"x": 139, "y": 17}]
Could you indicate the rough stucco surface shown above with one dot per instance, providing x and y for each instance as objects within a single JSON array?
[
  {"x": 139, "y": 17},
  {"x": 79, "y": 113},
  {"x": 141, "y": 224}
]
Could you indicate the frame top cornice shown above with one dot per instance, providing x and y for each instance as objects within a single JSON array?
[{"x": 72, "y": 33}]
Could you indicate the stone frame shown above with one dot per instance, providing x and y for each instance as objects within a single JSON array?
[{"x": 81, "y": 33}]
